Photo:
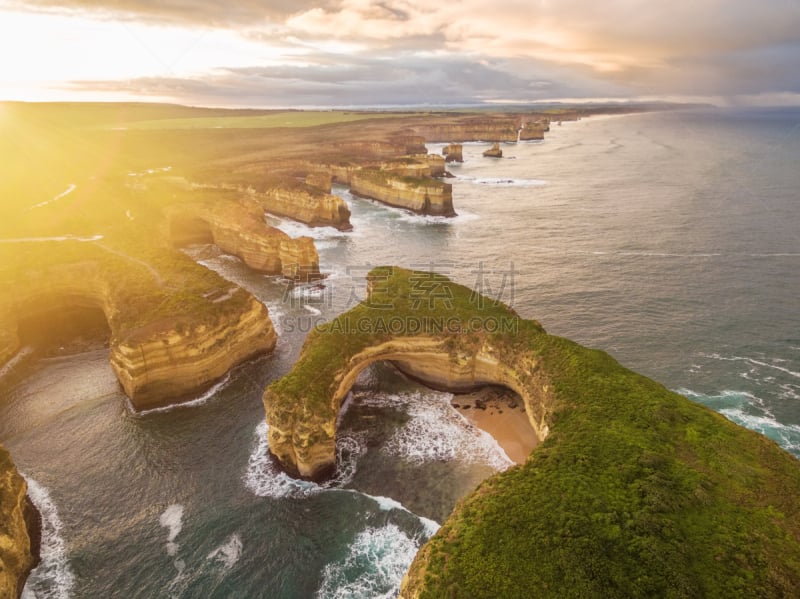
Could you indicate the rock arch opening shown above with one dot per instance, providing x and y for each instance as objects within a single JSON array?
[
  {"x": 71, "y": 321},
  {"x": 302, "y": 433},
  {"x": 186, "y": 230}
]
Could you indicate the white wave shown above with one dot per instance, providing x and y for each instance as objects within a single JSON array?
[
  {"x": 739, "y": 406},
  {"x": 16, "y": 359},
  {"x": 53, "y": 577},
  {"x": 296, "y": 229},
  {"x": 785, "y": 435},
  {"x": 461, "y": 217},
  {"x": 264, "y": 479},
  {"x": 373, "y": 568},
  {"x": 503, "y": 181},
  {"x": 716, "y": 356},
  {"x": 228, "y": 553},
  {"x": 191, "y": 403},
  {"x": 436, "y": 432},
  {"x": 387, "y": 504},
  {"x": 72, "y": 187},
  {"x": 81, "y": 239},
  {"x": 172, "y": 520}
]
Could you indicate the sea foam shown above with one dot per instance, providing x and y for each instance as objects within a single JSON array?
[
  {"x": 373, "y": 568},
  {"x": 228, "y": 553},
  {"x": 53, "y": 577},
  {"x": 436, "y": 431},
  {"x": 749, "y": 410},
  {"x": 264, "y": 479},
  {"x": 172, "y": 520}
]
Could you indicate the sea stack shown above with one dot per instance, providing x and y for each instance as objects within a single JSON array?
[
  {"x": 494, "y": 151},
  {"x": 453, "y": 153}
]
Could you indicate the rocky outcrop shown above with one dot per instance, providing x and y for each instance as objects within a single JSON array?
[
  {"x": 453, "y": 153},
  {"x": 493, "y": 152},
  {"x": 302, "y": 408},
  {"x": 319, "y": 180},
  {"x": 19, "y": 530},
  {"x": 435, "y": 163},
  {"x": 239, "y": 229},
  {"x": 422, "y": 195},
  {"x": 175, "y": 327},
  {"x": 534, "y": 127},
  {"x": 308, "y": 448},
  {"x": 306, "y": 204},
  {"x": 168, "y": 359},
  {"x": 634, "y": 487},
  {"x": 470, "y": 128}
]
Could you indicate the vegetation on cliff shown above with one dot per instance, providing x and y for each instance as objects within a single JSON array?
[{"x": 635, "y": 492}]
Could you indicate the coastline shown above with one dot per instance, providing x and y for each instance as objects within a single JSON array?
[{"x": 502, "y": 415}]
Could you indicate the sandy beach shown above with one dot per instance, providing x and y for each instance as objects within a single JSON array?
[{"x": 502, "y": 415}]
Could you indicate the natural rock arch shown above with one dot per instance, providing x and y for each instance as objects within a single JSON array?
[
  {"x": 636, "y": 491},
  {"x": 302, "y": 408}
]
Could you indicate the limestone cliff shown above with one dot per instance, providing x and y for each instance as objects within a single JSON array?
[
  {"x": 470, "y": 128},
  {"x": 453, "y": 153},
  {"x": 418, "y": 194},
  {"x": 19, "y": 530},
  {"x": 239, "y": 229},
  {"x": 320, "y": 180},
  {"x": 306, "y": 204},
  {"x": 435, "y": 163},
  {"x": 175, "y": 327},
  {"x": 634, "y": 492}
]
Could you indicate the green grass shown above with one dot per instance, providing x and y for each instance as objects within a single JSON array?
[{"x": 268, "y": 121}]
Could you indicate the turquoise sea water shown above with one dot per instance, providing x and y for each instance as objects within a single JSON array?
[{"x": 670, "y": 240}]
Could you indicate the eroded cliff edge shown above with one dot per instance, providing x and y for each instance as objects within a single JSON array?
[
  {"x": 175, "y": 327},
  {"x": 19, "y": 529},
  {"x": 635, "y": 491}
]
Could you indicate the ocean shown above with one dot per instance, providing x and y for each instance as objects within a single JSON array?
[{"x": 670, "y": 240}]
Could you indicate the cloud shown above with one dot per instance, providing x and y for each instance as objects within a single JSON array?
[
  {"x": 356, "y": 50},
  {"x": 358, "y": 81},
  {"x": 207, "y": 13}
]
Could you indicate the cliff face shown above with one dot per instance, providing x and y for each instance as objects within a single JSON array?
[
  {"x": 174, "y": 331},
  {"x": 240, "y": 230},
  {"x": 453, "y": 153},
  {"x": 162, "y": 360},
  {"x": 420, "y": 195},
  {"x": 19, "y": 530},
  {"x": 471, "y": 129},
  {"x": 635, "y": 491},
  {"x": 306, "y": 204},
  {"x": 435, "y": 163}
]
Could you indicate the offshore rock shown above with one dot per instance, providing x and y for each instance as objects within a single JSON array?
[
  {"x": 494, "y": 152},
  {"x": 453, "y": 153},
  {"x": 422, "y": 195}
]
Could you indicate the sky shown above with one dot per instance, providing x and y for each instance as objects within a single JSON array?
[{"x": 295, "y": 53}]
